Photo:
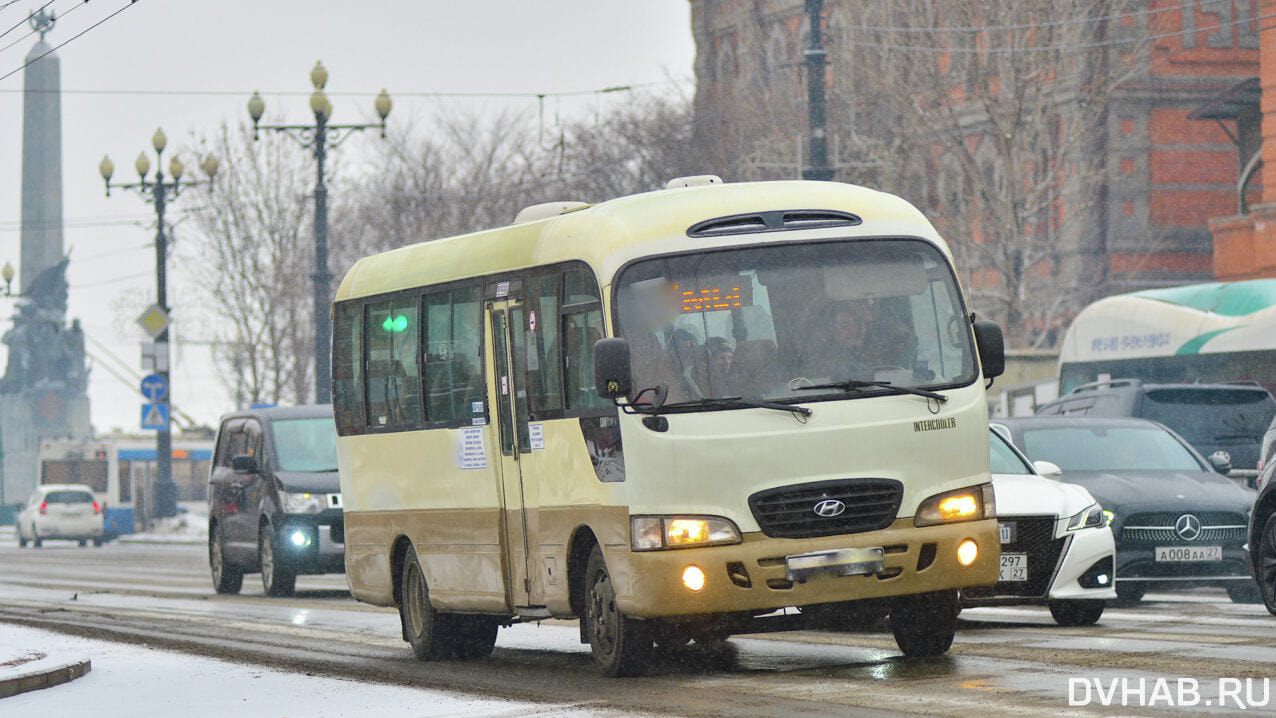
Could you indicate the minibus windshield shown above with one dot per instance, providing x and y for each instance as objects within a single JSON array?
[{"x": 773, "y": 322}]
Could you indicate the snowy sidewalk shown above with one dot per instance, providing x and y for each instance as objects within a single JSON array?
[
  {"x": 28, "y": 669},
  {"x": 131, "y": 681}
]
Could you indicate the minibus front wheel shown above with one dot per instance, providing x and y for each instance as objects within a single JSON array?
[
  {"x": 924, "y": 624},
  {"x": 621, "y": 646}
]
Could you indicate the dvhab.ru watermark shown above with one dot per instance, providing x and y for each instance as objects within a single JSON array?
[{"x": 1229, "y": 693}]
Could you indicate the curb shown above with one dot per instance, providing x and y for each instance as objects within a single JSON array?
[{"x": 44, "y": 678}]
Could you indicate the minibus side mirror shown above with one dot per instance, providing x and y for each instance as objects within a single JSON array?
[
  {"x": 992, "y": 348},
  {"x": 243, "y": 464},
  {"x": 611, "y": 368}
]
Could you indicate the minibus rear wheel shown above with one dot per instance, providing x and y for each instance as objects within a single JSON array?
[
  {"x": 924, "y": 624},
  {"x": 621, "y": 646}
]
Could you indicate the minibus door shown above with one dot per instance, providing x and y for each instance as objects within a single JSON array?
[{"x": 509, "y": 354}]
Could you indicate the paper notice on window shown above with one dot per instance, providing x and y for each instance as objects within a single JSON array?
[
  {"x": 536, "y": 432},
  {"x": 471, "y": 453}
]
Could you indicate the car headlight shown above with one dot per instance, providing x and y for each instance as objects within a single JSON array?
[
  {"x": 651, "y": 533},
  {"x": 1091, "y": 517},
  {"x": 301, "y": 503},
  {"x": 970, "y": 504}
]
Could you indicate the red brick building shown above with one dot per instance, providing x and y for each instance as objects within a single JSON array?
[
  {"x": 1245, "y": 232},
  {"x": 1168, "y": 174}
]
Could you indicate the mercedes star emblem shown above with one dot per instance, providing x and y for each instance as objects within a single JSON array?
[{"x": 1188, "y": 527}]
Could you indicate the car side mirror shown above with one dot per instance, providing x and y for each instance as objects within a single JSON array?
[
  {"x": 992, "y": 348},
  {"x": 1048, "y": 469},
  {"x": 1221, "y": 461},
  {"x": 611, "y": 368},
  {"x": 244, "y": 464}
]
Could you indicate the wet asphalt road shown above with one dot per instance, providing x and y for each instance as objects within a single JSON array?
[{"x": 1006, "y": 661}]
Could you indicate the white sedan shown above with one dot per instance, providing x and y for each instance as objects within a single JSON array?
[
  {"x": 61, "y": 511},
  {"x": 1056, "y": 547}
]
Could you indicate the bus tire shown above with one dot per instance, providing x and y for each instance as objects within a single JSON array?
[
  {"x": 226, "y": 578},
  {"x": 620, "y": 645},
  {"x": 424, "y": 628},
  {"x": 473, "y": 636},
  {"x": 1083, "y": 612},
  {"x": 277, "y": 577},
  {"x": 924, "y": 624}
]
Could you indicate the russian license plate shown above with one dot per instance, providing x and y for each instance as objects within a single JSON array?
[
  {"x": 1007, "y": 531},
  {"x": 843, "y": 562},
  {"x": 1014, "y": 567},
  {"x": 1189, "y": 553}
]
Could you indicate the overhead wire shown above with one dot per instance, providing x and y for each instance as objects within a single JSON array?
[
  {"x": 66, "y": 42},
  {"x": 25, "y": 19},
  {"x": 353, "y": 93},
  {"x": 79, "y": 4}
]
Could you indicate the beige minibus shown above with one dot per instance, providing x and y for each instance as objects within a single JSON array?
[{"x": 675, "y": 416}]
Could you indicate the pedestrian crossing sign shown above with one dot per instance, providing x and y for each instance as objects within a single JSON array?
[{"x": 155, "y": 416}]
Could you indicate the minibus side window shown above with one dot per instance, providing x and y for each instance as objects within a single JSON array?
[
  {"x": 544, "y": 359},
  {"x": 582, "y": 326},
  {"x": 580, "y": 331},
  {"x": 451, "y": 368},
  {"x": 393, "y": 388},
  {"x": 347, "y": 387}
]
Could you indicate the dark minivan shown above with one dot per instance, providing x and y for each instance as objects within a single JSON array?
[{"x": 274, "y": 498}]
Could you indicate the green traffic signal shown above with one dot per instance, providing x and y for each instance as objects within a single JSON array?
[{"x": 395, "y": 325}]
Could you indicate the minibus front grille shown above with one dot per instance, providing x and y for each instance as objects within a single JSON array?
[{"x": 827, "y": 508}]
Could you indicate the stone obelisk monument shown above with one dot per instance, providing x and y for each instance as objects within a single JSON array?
[{"x": 43, "y": 394}]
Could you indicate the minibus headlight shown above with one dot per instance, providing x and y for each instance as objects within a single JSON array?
[
  {"x": 972, "y": 504},
  {"x": 1090, "y": 517},
  {"x": 301, "y": 503},
  {"x": 650, "y": 533}
]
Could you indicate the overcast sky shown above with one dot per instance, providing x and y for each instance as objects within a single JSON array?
[{"x": 189, "y": 66}]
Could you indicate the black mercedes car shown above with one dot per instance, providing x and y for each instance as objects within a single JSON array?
[{"x": 1177, "y": 521}]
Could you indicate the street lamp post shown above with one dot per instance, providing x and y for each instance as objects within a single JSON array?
[
  {"x": 319, "y": 137},
  {"x": 157, "y": 192}
]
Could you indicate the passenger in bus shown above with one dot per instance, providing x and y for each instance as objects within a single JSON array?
[
  {"x": 692, "y": 363},
  {"x": 720, "y": 355},
  {"x": 844, "y": 351}
]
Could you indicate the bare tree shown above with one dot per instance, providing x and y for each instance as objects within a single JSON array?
[
  {"x": 1006, "y": 102},
  {"x": 468, "y": 173},
  {"x": 253, "y": 236}
]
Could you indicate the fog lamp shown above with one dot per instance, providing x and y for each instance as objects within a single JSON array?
[
  {"x": 300, "y": 539},
  {"x": 693, "y": 578},
  {"x": 967, "y": 552}
]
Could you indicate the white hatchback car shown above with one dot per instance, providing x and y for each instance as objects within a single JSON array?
[
  {"x": 1056, "y": 547},
  {"x": 61, "y": 511}
]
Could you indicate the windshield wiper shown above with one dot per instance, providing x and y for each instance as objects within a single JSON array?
[
  {"x": 853, "y": 384},
  {"x": 735, "y": 402}
]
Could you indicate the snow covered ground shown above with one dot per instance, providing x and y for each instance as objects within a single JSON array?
[
  {"x": 186, "y": 527},
  {"x": 129, "y": 681}
]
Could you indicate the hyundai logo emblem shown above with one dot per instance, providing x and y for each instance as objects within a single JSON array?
[
  {"x": 1188, "y": 527},
  {"x": 828, "y": 508}
]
